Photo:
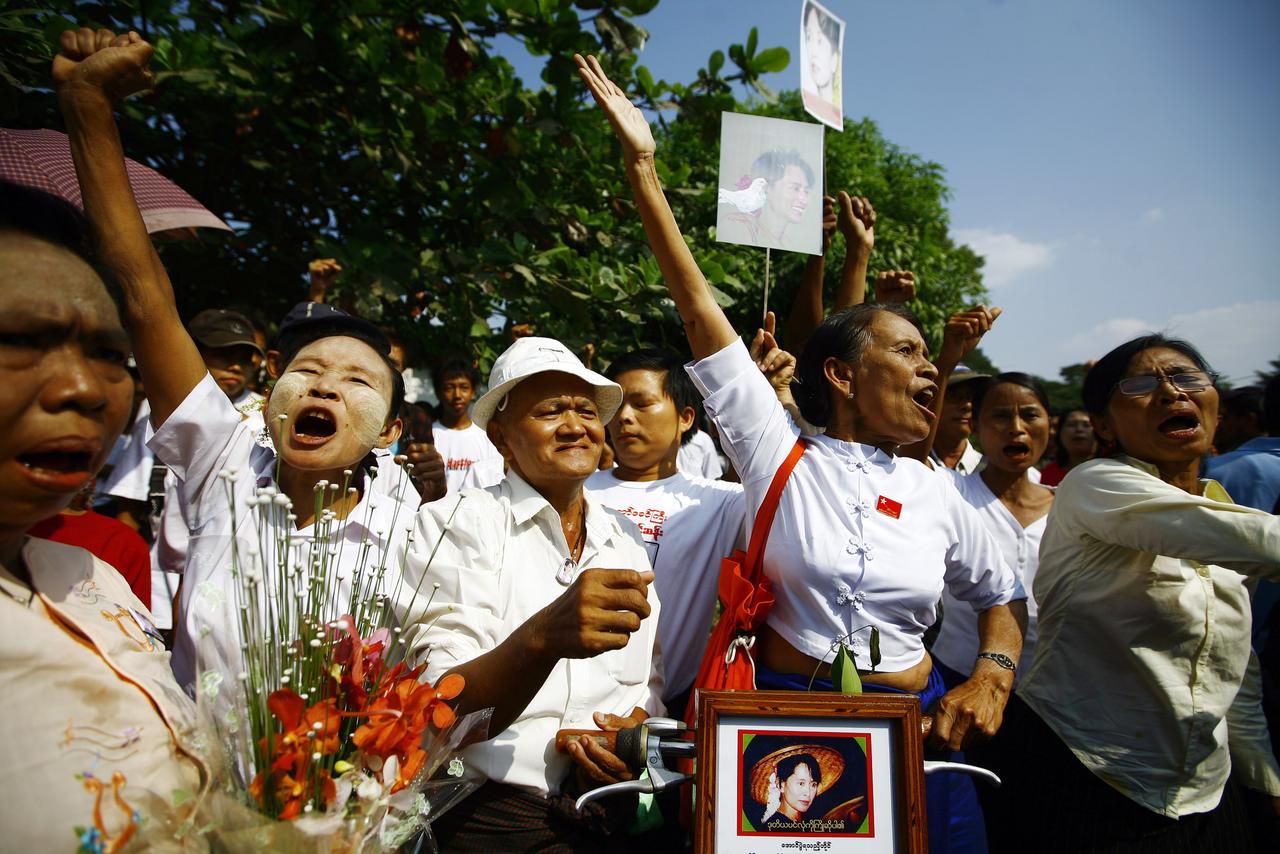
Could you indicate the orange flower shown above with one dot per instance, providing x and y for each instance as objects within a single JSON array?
[
  {"x": 298, "y": 722},
  {"x": 400, "y": 714}
]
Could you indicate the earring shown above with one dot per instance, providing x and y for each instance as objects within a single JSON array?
[{"x": 849, "y": 395}]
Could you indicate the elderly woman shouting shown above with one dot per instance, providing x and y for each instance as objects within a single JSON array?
[
  {"x": 862, "y": 537},
  {"x": 1145, "y": 715},
  {"x": 544, "y": 605}
]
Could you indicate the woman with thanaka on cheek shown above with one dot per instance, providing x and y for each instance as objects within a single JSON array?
[
  {"x": 100, "y": 734},
  {"x": 336, "y": 400}
]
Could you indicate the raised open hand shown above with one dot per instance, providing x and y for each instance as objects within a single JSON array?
[
  {"x": 857, "y": 221},
  {"x": 114, "y": 65},
  {"x": 628, "y": 122}
]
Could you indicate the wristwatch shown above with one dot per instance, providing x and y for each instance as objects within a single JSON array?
[{"x": 1001, "y": 659}]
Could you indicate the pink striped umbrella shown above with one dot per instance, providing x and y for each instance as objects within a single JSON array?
[{"x": 42, "y": 159}]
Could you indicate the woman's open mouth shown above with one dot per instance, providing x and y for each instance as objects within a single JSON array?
[
  {"x": 59, "y": 466},
  {"x": 1180, "y": 427},
  {"x": 314, "y": 427},
  {"x": 1017, "y": 452}
]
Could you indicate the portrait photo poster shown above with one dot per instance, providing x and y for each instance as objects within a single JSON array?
[
  {"x": 822, "y": 64},
  {"x": 770, "y": 186},
  {"x": 838, "y": 795}
]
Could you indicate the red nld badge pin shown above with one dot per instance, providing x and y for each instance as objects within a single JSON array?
[{"x": 888, "y": 507}]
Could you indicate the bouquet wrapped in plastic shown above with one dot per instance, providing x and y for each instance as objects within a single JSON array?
[{"x": 324, "y": 736}]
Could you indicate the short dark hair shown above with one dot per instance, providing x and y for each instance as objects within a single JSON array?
[
  {"x": 826, "y": 23},
  {"x": 294, "y": 344},
  {"x": 675, "y": 381},
  {"x": 1101, "y": 380},
  {"x": 455, "y": 366},
  {"x": 1271, "y": 405},
  {"x": 1017, "y": 378},
  {"x": 55, "y": 220},
  {"x": 773, "y": 164},
  {"x": 788, "y": 765},
  {"x": 844, "y": 335}
]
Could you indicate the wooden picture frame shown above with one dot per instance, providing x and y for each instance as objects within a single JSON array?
[{"x": 854, "y": 766}]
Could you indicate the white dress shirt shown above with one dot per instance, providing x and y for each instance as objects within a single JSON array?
[
  {"x": 1143, "y": 667},
  {"x": 500, "y": 557},
  {"x": 861, "y": 538},
  {"x": 204, "y": 436},
  {"x": 957, "y": 643}
]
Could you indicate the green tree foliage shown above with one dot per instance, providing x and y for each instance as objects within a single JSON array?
[{"x": 395, "y": 136}]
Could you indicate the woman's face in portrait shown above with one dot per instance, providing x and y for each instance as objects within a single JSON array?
[
  {"x": 789, "y": 195},
  {"x": 798, "y": 792},
  {"x": 820, "y": 51}
]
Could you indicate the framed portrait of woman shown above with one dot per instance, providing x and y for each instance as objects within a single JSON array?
[{"x": 777, "y": 769}]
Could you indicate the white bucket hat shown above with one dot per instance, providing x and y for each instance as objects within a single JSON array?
[{"x": 529, "y": 356}]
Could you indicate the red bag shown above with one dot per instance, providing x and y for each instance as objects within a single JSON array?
[{"x": 746, "y": 596}]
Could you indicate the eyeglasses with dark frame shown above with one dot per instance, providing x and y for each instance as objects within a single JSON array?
[{"x": 1188, "y": 381}]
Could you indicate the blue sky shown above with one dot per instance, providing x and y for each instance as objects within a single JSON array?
[{"x": 1115, "y": 162}]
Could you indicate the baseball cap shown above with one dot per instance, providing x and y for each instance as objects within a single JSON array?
[
  {"x": 963, "y": 373},
  {"x": 220, "y": 327},
  {"x": 529, "y": 356},
  {"x": 310, "y": 321}
]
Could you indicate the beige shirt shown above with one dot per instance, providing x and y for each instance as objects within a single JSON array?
[
  {"x": 93, "y": 718},
  {"x": 1143, "y": 664},
  {"x": 501, "y": 558}
]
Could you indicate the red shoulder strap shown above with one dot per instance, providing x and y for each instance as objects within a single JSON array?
[{"x": 764, "y": 516}]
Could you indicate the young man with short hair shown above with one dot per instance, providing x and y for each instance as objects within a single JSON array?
[
  {"x": 470, "y": 459},
  {"x": 688, "y": 523}
]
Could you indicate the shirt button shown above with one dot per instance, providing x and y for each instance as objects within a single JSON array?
[{"x": 1203, "y": 571}]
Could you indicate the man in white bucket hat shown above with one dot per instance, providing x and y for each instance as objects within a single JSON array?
[{"x": 544, "y": 605}]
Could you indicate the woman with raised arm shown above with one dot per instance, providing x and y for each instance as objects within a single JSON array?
[
  {"x": 336, "y": 400},
  {"x": 1140, "y": 720},
  {"x": 862, "y": 538}
]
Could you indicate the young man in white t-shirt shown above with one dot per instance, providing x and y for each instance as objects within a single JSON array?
[
  {"x": 470, "y": 459},
  {"x": 688, "y": 523}
]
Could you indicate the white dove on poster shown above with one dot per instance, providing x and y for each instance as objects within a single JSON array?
[{"x": 748, "y": 200}]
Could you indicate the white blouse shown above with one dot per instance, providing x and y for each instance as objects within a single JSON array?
[
  {"x": 957, "y": 643},
  {"x": 861, "y": 538},
  {"x": 1144, "y": 667}
]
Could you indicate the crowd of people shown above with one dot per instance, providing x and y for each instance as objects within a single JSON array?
[{"x": 1083, "y": 601}]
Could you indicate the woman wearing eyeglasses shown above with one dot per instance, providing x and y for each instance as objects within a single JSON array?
[{"x": 1144, "y": 694}]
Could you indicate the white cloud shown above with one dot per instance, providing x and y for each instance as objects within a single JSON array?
[
  {"x": 1153, "y": 215},
  {"x": 1008, "y": 256},
  {"x": 1097, "y": 340},
  {"x": 1237, "y": 339}
]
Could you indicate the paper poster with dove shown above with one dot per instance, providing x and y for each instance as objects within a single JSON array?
[{"x": 770, "y": 188}]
